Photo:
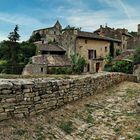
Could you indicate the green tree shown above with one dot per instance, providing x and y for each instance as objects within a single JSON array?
[
  {"x": 78, "y": 63},
  {"x": 123, "y": 66},
  {"x": 35, "y": 37},
  {"x": 14, "y": 36}
]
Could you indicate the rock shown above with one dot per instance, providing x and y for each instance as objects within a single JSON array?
[
  {"x": 138, "y": 105},
  {"x": 6, "y": 91},
  {"x": 5, "y": 85},
  {"x": 3, "y": 116}
]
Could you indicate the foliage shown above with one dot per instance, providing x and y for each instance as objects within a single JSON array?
[
  {"x": 78, "y": 63},
  {"x": 89, "y": 119},
  {"x": 15, "y": 56},
  {"x": 66, "y": 126},
  {"x": 60, "y": 70},
  {"x": 133, "y": 33},
  {"x": 137, "y": 55},
  {"x": 27, "y": 50},
  {"x": 72, "y": 28},
  {"x": 108, "y": 68},
  {"x": 14, "y": 36},
  {"x": 35, "y": 37},
  {"x": 108, "y": 59},
  {"x": 40, "y": 135},
  {"x": 123, "y": 66},
  {"x": 118, "y": 52}
]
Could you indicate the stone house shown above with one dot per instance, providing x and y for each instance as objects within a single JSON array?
[
  {"x": 121, "y": 34},
  {"x": 49, "y": 55},
  {"x": 51, "y": 34},
  {"x": 135, "y": 41},
  {"x": 93, "y": 48}
]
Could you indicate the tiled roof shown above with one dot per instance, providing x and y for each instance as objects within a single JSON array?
[
  {"x": 50, "y": 47},
  {"x": 82, "y": 34}
]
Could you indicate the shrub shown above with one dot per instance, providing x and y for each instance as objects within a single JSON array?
[
  {"x": 78, "y": 63},
  {"x": 118, "y": 52},
  {"x": 108, "y": 59},
  {"x": 66, "y": 126},
  {"x": 123, "y": 66},
  {"x": 60, "y": 70}
]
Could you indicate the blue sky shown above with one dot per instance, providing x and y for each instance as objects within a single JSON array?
[{"x": 88, "y": 14}]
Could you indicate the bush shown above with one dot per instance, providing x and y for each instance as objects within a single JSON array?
[
  {"x": 123, "y": 66},
  {"x": 66, "y": 127},
  {"x": 60, "y": 70},
  {"x": 108, "y": 68},
  {"x": 78, "y": 63}
]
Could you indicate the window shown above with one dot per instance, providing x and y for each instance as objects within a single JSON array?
[
  {"x": 91, "y": 54},
  {"x": 105, "y": 49},
  {"x": 85, "y": 41},
  {"x": 41, "y": 69}
]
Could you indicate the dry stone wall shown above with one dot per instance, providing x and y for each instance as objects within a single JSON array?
[{"x": 26, "y": 97}]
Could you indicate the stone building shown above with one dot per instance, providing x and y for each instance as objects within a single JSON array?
[
  {"x": 93, "y": 48},
  {"x": 49, "y": 55},
  {"x": 51, "y": 34},
  {"x": 121, "y": 34},
  {"x": 135, "y": 41},
  {"x": 136, "y": 71}
]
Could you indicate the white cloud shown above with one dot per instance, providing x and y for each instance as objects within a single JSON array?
[{"x": 18, "y": 19}]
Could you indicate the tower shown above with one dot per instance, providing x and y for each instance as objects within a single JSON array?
[
  {"x": 138, "y": 29},
  {"x": 58, "y": 25}
]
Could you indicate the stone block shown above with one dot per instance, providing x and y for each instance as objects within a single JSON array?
[
  {"x": 3, "y": 116},
  {"x": 6, "y": 91},
  {"x": 10, "y": 100},
  {"x": 5, "y": 85}
]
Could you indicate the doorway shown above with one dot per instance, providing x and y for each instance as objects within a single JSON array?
[
  {"x": 88, "y": 67},
  {"x": 97, "y": 67}
]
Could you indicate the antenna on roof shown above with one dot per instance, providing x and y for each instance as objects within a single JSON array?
[{"x": 105, "y": 24}]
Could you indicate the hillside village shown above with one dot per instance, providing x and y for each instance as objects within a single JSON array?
[{"x": 56, "y": 45}]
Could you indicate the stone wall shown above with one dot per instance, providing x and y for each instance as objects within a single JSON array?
[
  {"x": 136, "y": 71},
  {"x": 27, "y": 97}
]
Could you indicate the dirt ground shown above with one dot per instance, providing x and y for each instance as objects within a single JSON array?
[{"x": 109, "y": 115}]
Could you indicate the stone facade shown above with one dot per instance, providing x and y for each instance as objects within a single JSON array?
[
  {"x": 83, "y": 46},
  {"x": 41, "y": 63},
  {"x": 81, "y": 42},
  {"x": 27, "y": 97},
  {"x": 121, "y": 34},
  {"x": 51, "y": 34},
  {"x": 135, "y": 41},
  {"x": 136, "y": 71}
]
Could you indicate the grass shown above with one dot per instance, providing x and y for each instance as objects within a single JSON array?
[
  {"x": 89, "y": 119},
  {"x": 40, "y": 133},
  {"x": 20, "y": 132},
  {"x": 117, "y": 129},
  {"x": 137, "y": 138},
  {"x": 66, "y": 126},
  {"x": 13, "y": 76}
]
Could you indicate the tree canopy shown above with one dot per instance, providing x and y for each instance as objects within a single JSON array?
[
  {"x": 14, "y": 36},
  {"x": 14, "y": 55}
]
